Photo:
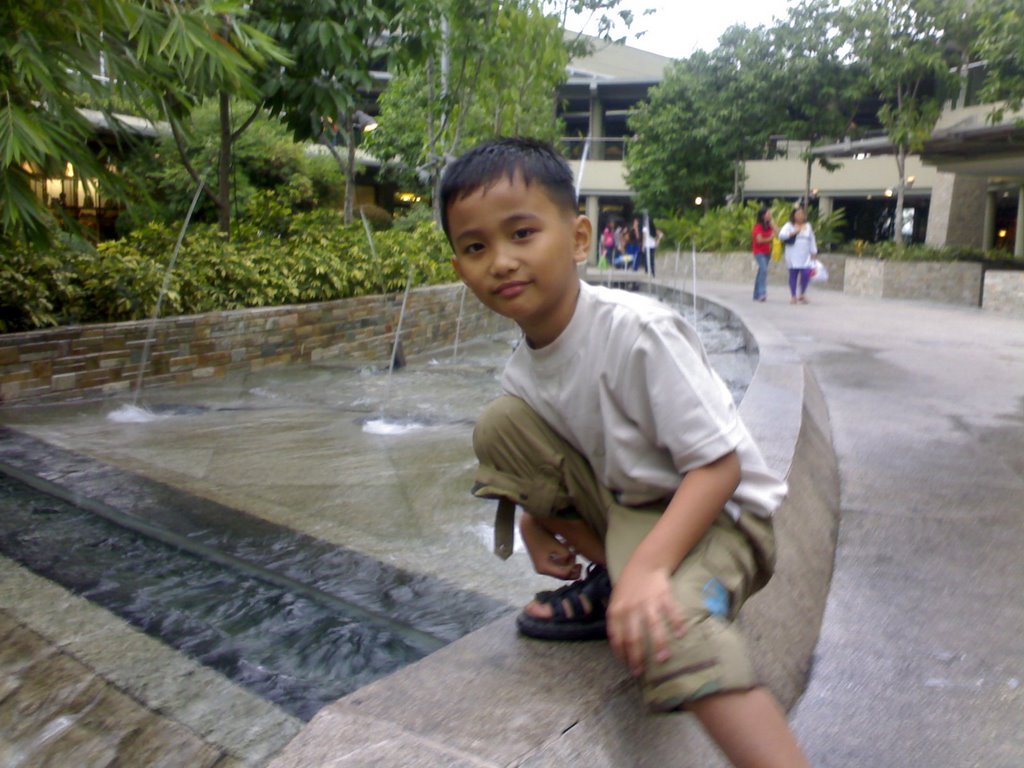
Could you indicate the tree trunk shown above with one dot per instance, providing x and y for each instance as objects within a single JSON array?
[
  {"x": 807, "y": 180},
  {"x": 224, "y": 166}
]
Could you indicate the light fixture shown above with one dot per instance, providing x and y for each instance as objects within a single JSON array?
[
  {"x": 69, "y": 170},
  {"x": 911, "y": 180},
  {"x": 363, "y": 122},
  {"x": 888, "y": 192},
  {"x": 698, "y": 200},
  {"x": 1002, "y": 233}
]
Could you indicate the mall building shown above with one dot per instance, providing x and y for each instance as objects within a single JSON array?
[{"x": 966, "y": 188}]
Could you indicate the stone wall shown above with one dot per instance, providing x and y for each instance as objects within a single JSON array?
[
  {"x": 958, "y": 283},
  {"x": 946, "y": 282},
  {"x": 106, "y": 359},
  {"x": 956, "y": 210},
  {"x": 736, "y": 267},
  {"x": 1004, "y": 292}
]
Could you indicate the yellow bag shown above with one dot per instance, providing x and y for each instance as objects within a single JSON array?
[{"x": 776, "y": 249}]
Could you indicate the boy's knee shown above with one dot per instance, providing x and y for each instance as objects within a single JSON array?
[
  {"x": 710, "y": 658},
  {"x": 499, "y": 420}
]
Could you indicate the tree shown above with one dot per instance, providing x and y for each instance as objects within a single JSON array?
[
  {"x": 670, "y": 160},
  {"x": 200, "y": 84},
  {"x": 609, "y": 14},
  {"x": 900, "y": 42},
  {"x": 264, "y": 157},
  {"x": 819, "y": 92},
  {"x": 333, "y": 45},
  {"x": 1000, "y": 43},
  {"x": 487, "y": 69},
  {"x": 738, "y": 99},
  {"x": 712, "y": 112},
  {"x": 50, "y": 56}
]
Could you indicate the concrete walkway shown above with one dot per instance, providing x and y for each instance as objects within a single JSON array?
[{"x": 921, "y": 659}]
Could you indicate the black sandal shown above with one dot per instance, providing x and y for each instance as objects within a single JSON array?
[{"x": 582, "y": 621}]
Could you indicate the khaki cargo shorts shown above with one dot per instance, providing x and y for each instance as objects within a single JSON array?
[{"x": 524, "y": 462}]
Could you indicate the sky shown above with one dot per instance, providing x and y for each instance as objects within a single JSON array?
[{"x": 679, "y": 27}]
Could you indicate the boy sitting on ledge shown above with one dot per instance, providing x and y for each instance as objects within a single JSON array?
[{"x": 623, "y": 447}]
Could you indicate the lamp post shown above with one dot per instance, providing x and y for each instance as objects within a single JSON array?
[{"x": 360, "y": 123}]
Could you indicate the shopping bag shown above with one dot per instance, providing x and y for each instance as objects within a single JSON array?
[
  {"x": 776, "y": 249},
  {"x": 819, "y": 272}
]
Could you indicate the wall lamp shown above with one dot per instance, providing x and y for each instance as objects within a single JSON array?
[{"x": 363, "y": 122}]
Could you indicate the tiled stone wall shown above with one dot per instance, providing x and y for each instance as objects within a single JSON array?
[
  {"x": 1004, "y": 292},
  {"x": 956, "y": 283},
  {"x": 946, "y": 282},
  {"x": 864, "y": 277},
  {"x": 105, "y": 359},
  {"x": 737, "y": 267}
]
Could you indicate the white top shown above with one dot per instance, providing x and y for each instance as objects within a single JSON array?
[
  {"x": 649, "y": 240},
  {"x": 800, "y": 254},
  {"x": 629, "y": 385}
]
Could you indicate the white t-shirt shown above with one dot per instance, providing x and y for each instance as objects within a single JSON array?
[
  {"x": 801, "y": 253},
  {"x": 628, "y": 384}
]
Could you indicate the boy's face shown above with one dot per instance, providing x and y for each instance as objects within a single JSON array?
[{"x": 517, "y": 251}]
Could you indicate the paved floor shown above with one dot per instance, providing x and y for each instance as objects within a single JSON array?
[{"x": 921, "y": 660}]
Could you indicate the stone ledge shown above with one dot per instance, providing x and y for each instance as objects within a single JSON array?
[
  {"x": 1004, "y": 292},
  {"x": 495, "y": 699}
]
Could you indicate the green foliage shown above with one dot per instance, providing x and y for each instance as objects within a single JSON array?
[
  {"x": 889, "y": 251},
  {"x": 265, "y": 158},
  {"x": 276, "y": 257},
  {"x": 417, "y": 215},
  {"x": 728, "y": 228},
  {"x": 375, "y": 216},
  {"x": 504, "y": 62},
  {"x": 332, "y": 45},
  {"x": 1001, "y": 45},
  {"x": 670, "y": 162},
  {"x": 49, "y": 54}
]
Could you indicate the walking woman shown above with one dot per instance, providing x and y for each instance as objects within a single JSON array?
[
  {"x": 801, "y": 249},
  {"x": 761, "y": 236}
]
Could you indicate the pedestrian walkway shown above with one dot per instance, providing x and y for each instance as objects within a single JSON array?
[{"x": 921, "y": 658}]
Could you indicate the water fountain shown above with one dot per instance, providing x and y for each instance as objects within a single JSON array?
[
  {"x": 134, "y": 411},
  {"x": 325, "y": 515}
]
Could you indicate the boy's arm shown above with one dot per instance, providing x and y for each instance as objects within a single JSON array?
[{"x": 642, "y": 609}]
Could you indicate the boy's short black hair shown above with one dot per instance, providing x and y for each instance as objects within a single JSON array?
[{"x": 487, "y": 163}]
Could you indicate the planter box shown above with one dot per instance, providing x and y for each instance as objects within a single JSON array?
[
  {"x": 738, "y": 267},
  {"x": 944, "y": 282},
  {"x": 105, "y": 359},
  {"x": 1004, "y": 291}
]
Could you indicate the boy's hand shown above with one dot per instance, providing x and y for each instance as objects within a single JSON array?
[
  {"x": 641, "y": 614},
  {"x": 550, "y": 556}
]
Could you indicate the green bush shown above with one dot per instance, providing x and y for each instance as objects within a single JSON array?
[
  {"x": 728, "y": 228},
  {"x": 265, "y": 157},
  {"x": 276, "y": 257},
  {"x": 890, "y": 251}
]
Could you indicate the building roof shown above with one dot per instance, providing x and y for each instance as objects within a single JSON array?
[
  {"x": 610, "y": 61},
  {"x": 101, "y": 122},
  {"x": 967, "y": 140}
]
